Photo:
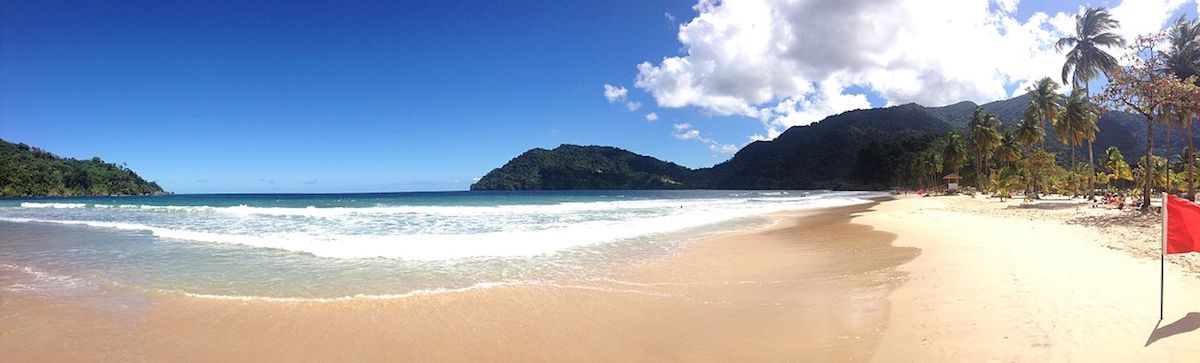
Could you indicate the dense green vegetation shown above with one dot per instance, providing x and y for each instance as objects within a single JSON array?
[
  {"x": 862, "y": 149},
  {"x": 586, "y": 167},
  {"x": 29, "y": 171}
]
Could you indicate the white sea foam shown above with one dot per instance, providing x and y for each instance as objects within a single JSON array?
[
  {"x": 515, "y": 237},
  {"x": 424, "y": 292},
  {"x": 431, "y": 232},
  {"x": 414, "y": 293},
  {"x": 53, "y": 205},
  {"x": 40, "y": 280},
  {"x": 326, "y": 212}
]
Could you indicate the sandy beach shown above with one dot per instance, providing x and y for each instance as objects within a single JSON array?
[{"x": 911, "y": 279}]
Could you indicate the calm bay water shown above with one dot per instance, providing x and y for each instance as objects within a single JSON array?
[{"x": 339, "y": 245}]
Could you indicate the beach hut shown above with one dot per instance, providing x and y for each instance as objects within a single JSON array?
[{"x": 951, "y": 181}]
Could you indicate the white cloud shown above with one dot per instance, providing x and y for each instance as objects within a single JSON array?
[
  {"x": 687, "y": 135},
  {"x": 633, "y": 106},
  {"x": 1139, "y": 17},
  {"x": 791, "y": 62},
  {"x": 670, "y": 18},
  {"x": 685, "y": 131},
  {"x": 723, "y": 149},
  {"x": 614, "y": 93},
  {"x": 652, "y": 116},
  {"x": 1007, "y": 6}
]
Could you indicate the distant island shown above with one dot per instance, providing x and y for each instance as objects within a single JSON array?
[
  {"x": 856, "y": 150},
  {"x": 27, "y": 171}
]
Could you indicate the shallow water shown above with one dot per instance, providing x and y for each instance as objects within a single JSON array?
[{"x": 340, "y": 245}]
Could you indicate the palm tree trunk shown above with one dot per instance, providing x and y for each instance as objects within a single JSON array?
[
  {"x": 978, "y": 180},
  {"x": 1075, "y": 181},
  {"x": 987, "y": 179},
  {"x": 1091, "y": 171},
  {"x": 1036, "y": 177},
  {"x": 1087, "y": 91}
]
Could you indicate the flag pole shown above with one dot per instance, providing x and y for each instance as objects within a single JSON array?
[{"x": 1162, "y": 258}]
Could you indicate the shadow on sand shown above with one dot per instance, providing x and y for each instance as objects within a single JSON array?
[
  {"x": 1186, "y": 324},
  {"x": 1051, "y": 204}
]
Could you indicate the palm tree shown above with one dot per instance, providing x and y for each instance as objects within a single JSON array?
[
  {"x": 1009, "y": 150},
  {"x": 1045, "y": 105},
  {"x": 929, "y": 165},
  {"x": 985, "y": 138},
  {"x": 1183, "y": 60},
  {"x": 1076, "y": 125},
  {"x": 1157, "y": 171},
  {"x": 1085, "y": 61},
  {"x": 954, "y": 153},
  {"x": 1045, "y": 102},
  {"x": 1115, "y": 165},
  {"x": 1029, "y": 132},
  {"x": 1008, "y": 181},
  {"x": 1088, "y": 130}
]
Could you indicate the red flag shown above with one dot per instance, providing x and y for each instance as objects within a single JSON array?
[{"x": 1183, "y": 225}]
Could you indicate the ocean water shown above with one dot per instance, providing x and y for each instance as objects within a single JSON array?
[{"x": 329, "y": 246}]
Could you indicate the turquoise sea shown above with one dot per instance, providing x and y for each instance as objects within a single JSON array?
[{"x": 325, "y": 246}]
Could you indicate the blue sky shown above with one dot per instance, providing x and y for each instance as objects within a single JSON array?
[{"x": 257, "y": 96}]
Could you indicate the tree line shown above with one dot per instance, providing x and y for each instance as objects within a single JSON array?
[
  {"x": 1156, "y": 78},
  {"x": 27, "y": 171}
]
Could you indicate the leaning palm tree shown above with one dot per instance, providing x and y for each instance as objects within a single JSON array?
[
  {"x": 1183, "y": 61},
  {"x": 1085, "y": 60},
  {"x": 1045, "y": 102}
]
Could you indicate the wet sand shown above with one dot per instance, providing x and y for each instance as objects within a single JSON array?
[
  {"x": 812, "y": 287},
  {"x": 945, "y": 279}
]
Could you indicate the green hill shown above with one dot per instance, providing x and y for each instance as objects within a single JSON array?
[
  {"x": 860, "y": 149},
  {"x": 586, "y": 167},
  {"x": 27, "y": 171}
]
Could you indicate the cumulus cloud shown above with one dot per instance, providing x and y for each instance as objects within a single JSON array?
[
  {"x": 615, "y": 93},
  {"x": 794, "y": 62},
  {"x": 1139, "y": 17},
  {"x": 633, "y": 106},
  {"x": 685, "y": 131},
  {"x": 652, "y": 116}
]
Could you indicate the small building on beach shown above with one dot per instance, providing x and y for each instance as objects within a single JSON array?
[{"x": 951, "y": 181}]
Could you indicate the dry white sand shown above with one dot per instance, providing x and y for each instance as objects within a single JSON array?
[{"x": 1050, "y": 282}]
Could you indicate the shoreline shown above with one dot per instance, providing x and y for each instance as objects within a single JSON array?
[
  {"x": 929, "y": 279},
  {"x": 736, "y": 295}
]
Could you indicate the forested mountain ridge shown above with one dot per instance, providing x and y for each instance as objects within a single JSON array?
[
  {"x": 586, "y": 167},
  {"x": 27, "y": 171},
  {"x": 860, "y": 149}
]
